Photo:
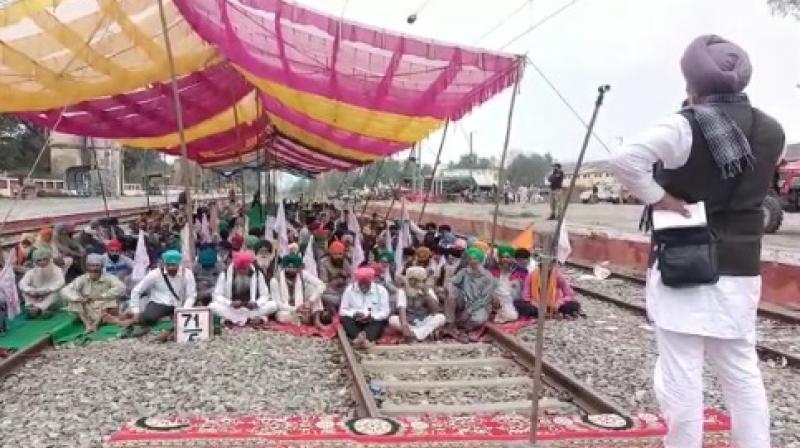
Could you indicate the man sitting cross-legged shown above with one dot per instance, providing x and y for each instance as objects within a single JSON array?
[
  {"x": 241, "y": 295},
  {"x": 167, "y": 287},
  {"x": 418, "y": 311},
  {"x": 298, "y": 294},
  {"x": 364, "y": 309},
  {"x": 469, "y": 303},
  {"x": 93, "y": 295},
  {"x": 40, "y": 286}
]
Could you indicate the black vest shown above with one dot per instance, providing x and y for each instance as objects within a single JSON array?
[{"x": 733, "y": 206}]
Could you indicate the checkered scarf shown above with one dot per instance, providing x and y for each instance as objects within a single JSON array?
[{"x": 727, "y": 142}]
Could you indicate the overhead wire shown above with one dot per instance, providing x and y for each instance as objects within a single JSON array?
[
  {"x": 503, "y": 21},
  {"x": 539, "y": 23},
  {"x": 566, "y": 102}
]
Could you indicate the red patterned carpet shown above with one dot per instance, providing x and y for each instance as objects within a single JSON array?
[{"x": 435, "y": 432}]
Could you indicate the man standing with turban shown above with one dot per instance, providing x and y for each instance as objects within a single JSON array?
[
  {"x": 40, "y": 286},
  {"x": 298, "y": 294},
  {"x": 468, "y": 305},
  {"x": 364, "y": 309},
  {"x": 92, "y": 294},
  {"x": 722, "y": 151},
  {"x": 335, "y": 272},
  {"x": 241, "y": 295},
  {"x": 168, "y": 287}
]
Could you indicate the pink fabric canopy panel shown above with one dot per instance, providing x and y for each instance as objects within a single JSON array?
[
  {"x": 343, "y": 90},
  {"x": 319, "y": 54},
  {"x": 150, "y": 112}
]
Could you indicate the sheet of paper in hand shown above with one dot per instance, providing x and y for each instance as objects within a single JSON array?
[
  {"x": 665, "y": 219},
  {"x": 193, "y": 324}
]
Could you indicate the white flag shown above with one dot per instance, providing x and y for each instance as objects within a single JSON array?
[
  {"x": 205, "y": 229},
  {"x": 309, "y": 262},
  {"x": 141, "y": 261},
  {"x": 214, "y": 221},
  {"x": 281, "y": 228},
  {"x": 401, "y": 241},
  {"x": 8, "y": 285},
  {"x": 187, "y": 249},
  {"x": 405, "y": 227},
  {"x": 564, "y": 247}
]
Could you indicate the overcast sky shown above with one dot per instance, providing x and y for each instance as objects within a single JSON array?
[{"x": 634, "y": 45}]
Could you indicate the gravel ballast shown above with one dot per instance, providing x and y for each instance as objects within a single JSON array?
[
  {"x": 614, "y": 351},
  {"x": 74, "y": 397}
]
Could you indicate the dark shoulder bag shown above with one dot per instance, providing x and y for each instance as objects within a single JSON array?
[{"x": 687, "y": 256}]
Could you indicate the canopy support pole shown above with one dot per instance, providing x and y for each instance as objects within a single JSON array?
[
  {"x": 396, "y": 187},
  {"x": 100, "y": 178},
  {"x": 433, "y": 174},
  {"x": 187, "y": 179},
  {"x": 549, "y": 261},
  {"x": 372, "y": 188},
  {"x": 502, "y": 170}
]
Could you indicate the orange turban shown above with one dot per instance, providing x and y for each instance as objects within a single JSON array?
[{"x": 336, "y": 248}]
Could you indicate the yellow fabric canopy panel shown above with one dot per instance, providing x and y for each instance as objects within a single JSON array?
[{"x": 59, "y": 52}]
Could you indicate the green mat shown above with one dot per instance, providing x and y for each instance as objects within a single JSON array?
[
  {"x": 76, "y": 331},
  {"x": 23, "y": 332},
  {"x": 65, "y": 327}
]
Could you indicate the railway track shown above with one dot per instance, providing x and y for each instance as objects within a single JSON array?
[
  {"x": 779, "y": 340},
  {"x": 456, "y": 379}
]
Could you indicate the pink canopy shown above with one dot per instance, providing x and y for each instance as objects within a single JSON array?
[{"x": 150, "y": 112}]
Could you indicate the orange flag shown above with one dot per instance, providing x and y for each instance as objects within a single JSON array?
[{"x": 524, "y": 240}]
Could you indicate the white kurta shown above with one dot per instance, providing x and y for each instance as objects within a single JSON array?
[
  {"x": 717, "y": 321},
  {"x": 309, "y": 290},
  {"x": 222, "y": 305},
  {"x": 421, "y": 328},
  {"x": 724, "y": 310}
]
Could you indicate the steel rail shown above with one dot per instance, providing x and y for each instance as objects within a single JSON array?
[
  {"x": 364, "y": 400},
  {"x": 586, "y": 398},
  {"x": 767, "y": 310},
  {"x": 18, "y": 358},
  {"x": 765, "y": 351}
]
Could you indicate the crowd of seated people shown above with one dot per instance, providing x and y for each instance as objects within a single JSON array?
[{"x": 418, "y": 282}]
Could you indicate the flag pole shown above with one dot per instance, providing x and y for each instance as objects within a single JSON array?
[
  {"x": 546, "y": 269},
  {"x": 178, "y": 118},
  {"x": 372, "y": 189},
  {"x": 502, "y": 172},
  {"x": 433, "y": 174}
]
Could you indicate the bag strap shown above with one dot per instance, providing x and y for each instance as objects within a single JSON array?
[{"x": 169, "y": 285}]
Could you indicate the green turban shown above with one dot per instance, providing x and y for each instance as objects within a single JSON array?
[
  {"x": 223, "y": 226},
  {"x": 292, "y": 261},
  {"x": 474, "y": 252},
  {"x": 40, "y": 253},
  {"x": 387, "y": 256},
  {"x": 207, "y": 257},
  {"x": 251, "y": 242},
  {"x": 505, "y": 251},
  {"x": 171, "y": 257}
]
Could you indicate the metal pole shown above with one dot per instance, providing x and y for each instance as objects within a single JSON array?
[
  {"x": 100, "y": 178},
  {"x": 374, "y": 183},
  {"x": 547, "y": 266},
  {"x": 433, "y": 174},
  {"x": 501, "y": 176},
  {"x": 187, "y": 186},
  {"x": 396, "y": 187}
]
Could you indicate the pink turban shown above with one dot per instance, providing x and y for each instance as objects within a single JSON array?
[
  {"x": 243, "y": 259},
  {"x": 461, "y": 244},
  {"x": 713, "y": 65},
  {"x": 365, "y": 274}
]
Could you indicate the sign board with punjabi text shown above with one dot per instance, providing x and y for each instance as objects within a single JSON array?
[{"x": 193, "y": 324}]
